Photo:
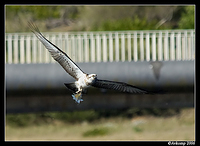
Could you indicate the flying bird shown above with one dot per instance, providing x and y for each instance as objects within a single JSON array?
[{"x": 83, "y": 80}]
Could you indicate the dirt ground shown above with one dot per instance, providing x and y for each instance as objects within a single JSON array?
[{"x": 139, "y": 128}]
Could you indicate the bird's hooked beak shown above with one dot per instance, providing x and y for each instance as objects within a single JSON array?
[
  {"x": 94, "y": 76},
  {"x": 91, "y": 76}
]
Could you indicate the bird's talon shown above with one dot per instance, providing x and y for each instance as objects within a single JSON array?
[{"x": 77, "y": 97}]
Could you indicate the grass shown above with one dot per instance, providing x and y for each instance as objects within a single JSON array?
[
  {"x": 96, "y": 132},
  {"x": 137, "y": 129},
  {"x": 50, "y": 126}
]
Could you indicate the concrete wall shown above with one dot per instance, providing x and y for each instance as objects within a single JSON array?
[
  {"x": 34, "y": 103},
  {"x": 24, "y": 81},
  {"x": 166, "y": 75}
]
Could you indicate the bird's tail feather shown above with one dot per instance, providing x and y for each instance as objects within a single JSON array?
[{"x": 71, "y": 86}]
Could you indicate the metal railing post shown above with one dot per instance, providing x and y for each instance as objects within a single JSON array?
[{"x": 103, "y": 46}]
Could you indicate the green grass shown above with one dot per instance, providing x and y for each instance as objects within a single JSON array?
[
  {"x": 96, "y": 132},
  {"x": 29, "y": 119},
  {"x": 137, "y": 129},
  {"x": 130, "y": 124}
]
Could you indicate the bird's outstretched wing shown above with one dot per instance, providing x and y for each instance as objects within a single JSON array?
[
  {"x": 119, "y": 86},
  {"x": 60, "y": 56}
]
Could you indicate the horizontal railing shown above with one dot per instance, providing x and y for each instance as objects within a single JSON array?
[{"x": 103, "y": 46}]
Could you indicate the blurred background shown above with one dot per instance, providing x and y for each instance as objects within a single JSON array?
[{"x": 151, "y": 47}]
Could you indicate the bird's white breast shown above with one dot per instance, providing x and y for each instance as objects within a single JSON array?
[{"x": 82, "y": 82}]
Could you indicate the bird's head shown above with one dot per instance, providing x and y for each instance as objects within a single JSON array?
[{"x": 91, "y": 78}]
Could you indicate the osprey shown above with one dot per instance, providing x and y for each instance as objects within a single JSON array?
[{"x": 83, "y": 80}]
